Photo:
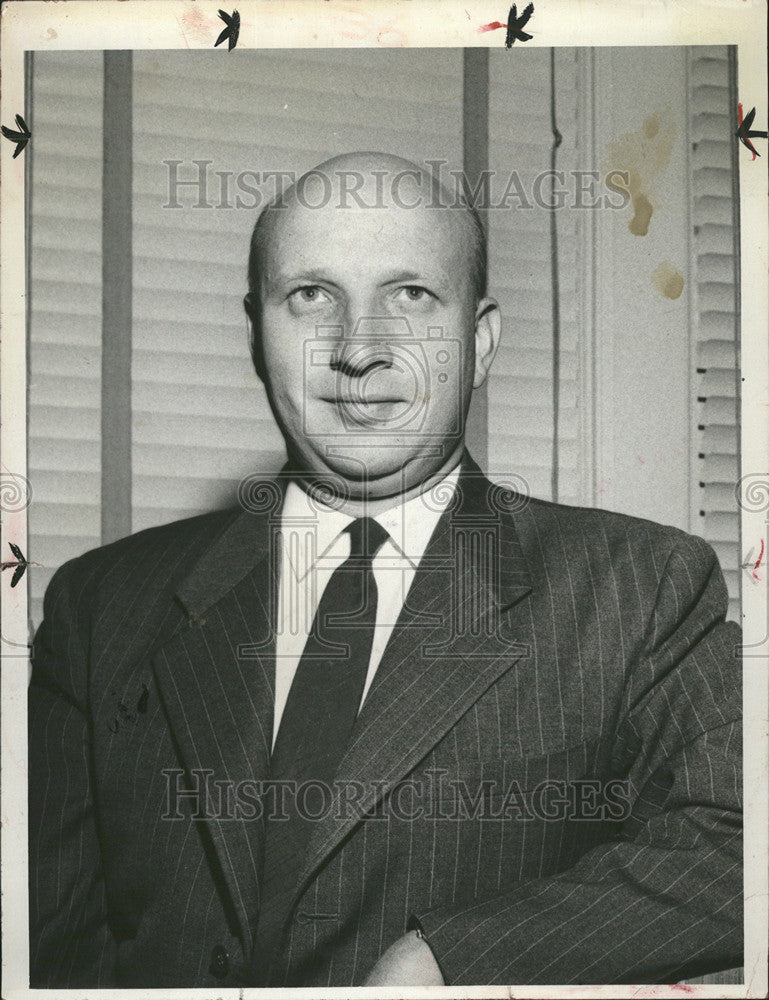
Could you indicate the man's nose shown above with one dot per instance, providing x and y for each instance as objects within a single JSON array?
[{"x": 366, "y": 344}]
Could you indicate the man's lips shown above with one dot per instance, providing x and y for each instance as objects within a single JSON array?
[
  {"x": 368, "y": 400},
  {"x": 367, "y": 409}
]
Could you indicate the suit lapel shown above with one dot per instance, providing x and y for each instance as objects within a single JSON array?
[
  {"x": 455, "y": 636},
  {"x": 216, "y": 678}
]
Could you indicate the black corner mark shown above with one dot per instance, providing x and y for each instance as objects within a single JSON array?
[
  {"x": 19, "y": 563},
  {"x": 21, "y": 138},
  {"x": 744, "y": 133},
  {"x": 515, "y": 25},
  {"x": 231, "y": 31}
]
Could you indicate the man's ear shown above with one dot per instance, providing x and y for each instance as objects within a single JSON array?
[
  {"x": 488, "y": 324},
  {"x": 254, "y": 313}
]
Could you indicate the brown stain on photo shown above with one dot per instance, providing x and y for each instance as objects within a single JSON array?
[
  {"x": 640, "y": 156},
  {"x": 668, "y": 280}
]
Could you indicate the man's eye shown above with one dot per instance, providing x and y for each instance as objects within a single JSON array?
[
  {"x": 414, "y": 293},
  {"x": 309, "y": 294}
]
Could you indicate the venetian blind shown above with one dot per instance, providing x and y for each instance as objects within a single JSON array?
[
  {"x": 200, "y": 418},
  {"x": 521, "y": 404},
  {"x": 65, "y": 320},
  {"x": 715, "y": 308}
]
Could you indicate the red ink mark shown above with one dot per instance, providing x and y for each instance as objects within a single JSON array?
[
  {"x": 514, "y": 26},
  {"x": 747, "y": 141},
  {"x": 604, "y": 482},
  {"x": 641, "y": 460},
  {"x": 745, "y": 131},
  {"x": 192, "y": 22},
  {"x": 758, "y": 561}
]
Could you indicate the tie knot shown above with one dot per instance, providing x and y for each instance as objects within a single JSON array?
[{"x": 367, "y": 536}]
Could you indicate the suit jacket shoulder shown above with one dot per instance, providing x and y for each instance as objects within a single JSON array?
[
  {"x": 120, "y": 596},
  {"x": 614, "y": 542}
]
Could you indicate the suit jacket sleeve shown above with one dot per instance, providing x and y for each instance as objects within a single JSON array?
[
  {"x": 662, "y": 897},
  {"x": 70, "y": 940}
]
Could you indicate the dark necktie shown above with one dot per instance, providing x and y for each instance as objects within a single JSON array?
[{"x": 315, "y": 728}]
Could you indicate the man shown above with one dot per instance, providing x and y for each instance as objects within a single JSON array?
[{"x": 388, "y": 724}]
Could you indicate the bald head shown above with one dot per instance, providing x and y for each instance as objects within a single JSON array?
[{"x": 373, "y": 182}]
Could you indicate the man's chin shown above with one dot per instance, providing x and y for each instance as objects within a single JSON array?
[
  {"x": 364, "y": 466},
  {"x": 378, "y": 469}
]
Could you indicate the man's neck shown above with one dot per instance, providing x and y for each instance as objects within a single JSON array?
[{"x": 373, "y": 505}]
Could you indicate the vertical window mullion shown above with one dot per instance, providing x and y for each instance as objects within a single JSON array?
[{"x": 117, "y": 291}]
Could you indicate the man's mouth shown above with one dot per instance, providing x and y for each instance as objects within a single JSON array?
[{"x": 371, "y": 408}]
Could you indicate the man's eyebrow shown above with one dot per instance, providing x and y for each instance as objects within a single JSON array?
[
  {"x": 318, "y": 273},
  {"x": 417, "y": 276},
  {"x": 403, "y": 276},
  {"x": 302, "y": 274}
]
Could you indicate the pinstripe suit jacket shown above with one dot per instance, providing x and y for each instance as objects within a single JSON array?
[{"x": 546, "y": 770}]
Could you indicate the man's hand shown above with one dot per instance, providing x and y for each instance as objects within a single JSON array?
[{"x": 408, "y": 962}]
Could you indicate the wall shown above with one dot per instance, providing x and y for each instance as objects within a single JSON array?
[{"x": 641, "y": 340}]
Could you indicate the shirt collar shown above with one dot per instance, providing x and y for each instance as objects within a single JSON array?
[{"x": 409, "y": 525}]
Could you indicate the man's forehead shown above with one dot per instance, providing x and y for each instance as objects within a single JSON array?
[
  {"x": 388, "y": 231},
  {"x": 368, "y": 210}
]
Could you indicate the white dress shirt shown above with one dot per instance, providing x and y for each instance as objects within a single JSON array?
[{"x": 314, "y": 543}]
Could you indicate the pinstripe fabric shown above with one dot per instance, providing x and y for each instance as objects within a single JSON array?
[{"x": 591, "y": 649}]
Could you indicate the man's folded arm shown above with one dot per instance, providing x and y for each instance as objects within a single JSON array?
[
  {"x": 662, "y": 899},
  {"x": 70, "y": 940}
]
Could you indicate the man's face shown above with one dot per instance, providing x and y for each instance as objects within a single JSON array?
[{"x": 367, "y": 340}]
